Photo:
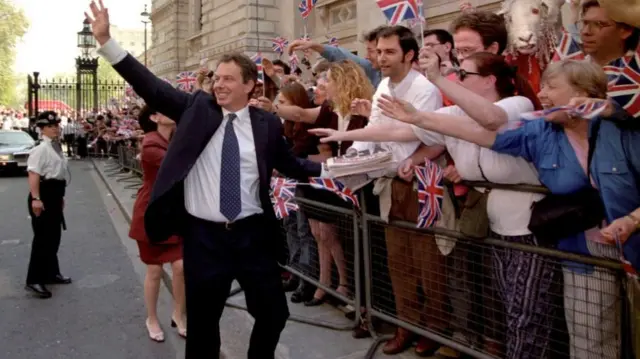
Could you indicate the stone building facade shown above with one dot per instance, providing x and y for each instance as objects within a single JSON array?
[{"x": 187, "y": 31}]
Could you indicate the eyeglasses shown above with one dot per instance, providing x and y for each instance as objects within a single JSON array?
[
  {"x": 462, "y": 73},
  {"x": 593, "y": 24}
]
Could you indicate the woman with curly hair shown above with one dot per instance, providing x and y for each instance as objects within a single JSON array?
[{"x": 346, "y": 81}]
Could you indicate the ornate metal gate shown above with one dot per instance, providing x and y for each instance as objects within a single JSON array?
[{"x": 81, "y": 96}]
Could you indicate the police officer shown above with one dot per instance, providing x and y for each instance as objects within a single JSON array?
[{"x": 47, "y": 168}]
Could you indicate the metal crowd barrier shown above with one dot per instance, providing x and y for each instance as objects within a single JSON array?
[{"x": 468, "y": 280}]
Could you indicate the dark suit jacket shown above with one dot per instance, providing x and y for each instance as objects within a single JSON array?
[{"x": 198, "y": 117}]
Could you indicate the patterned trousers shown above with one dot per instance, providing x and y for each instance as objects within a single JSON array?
[{"x": 525, "y": 283}]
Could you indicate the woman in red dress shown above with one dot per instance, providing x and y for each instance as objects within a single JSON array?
[{"x": 158, "y": 130}]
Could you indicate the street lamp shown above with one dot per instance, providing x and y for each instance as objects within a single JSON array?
[
  {"x": 145, "y": 18},
  {"x": 86, "y": 70},
  {"x": 86, "y": 42}
]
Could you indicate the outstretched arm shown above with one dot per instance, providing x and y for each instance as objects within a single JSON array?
[
  {"x": 384, "y": 132},
  {"x": 155, "y": 92}
]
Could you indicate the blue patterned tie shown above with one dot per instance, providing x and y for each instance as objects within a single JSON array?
[{"x": 230, "y": 203}]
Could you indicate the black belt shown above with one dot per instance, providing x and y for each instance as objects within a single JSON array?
[{"x": 246, "y": 222}]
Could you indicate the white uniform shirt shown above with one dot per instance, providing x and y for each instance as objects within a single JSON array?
[
  {"x": 509, "y": 211},
  {"x": 45, "y": 161},
  {"x": 415, "y": 89},
  {"x": 202, "y": 185}
]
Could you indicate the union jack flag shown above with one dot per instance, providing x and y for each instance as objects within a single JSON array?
[
  {"x": 399, "y": 10},
  {"x": 280, "y": 44},
  {"x": 568, "y": 48},
  {"x": 293, "y": 62},
  {"x": 430, "y": 193},
  {"x": 624, "y": 82},
  {"x": 257, "y": 59},
  {"x": 333, "y": 41},
  {"x": 283, "y": 207},
  {"x": 283, "y": 188},
  {"x": 586, "y": 111},
  {"x": 420, "y": 20},
  {"x": 186, "y": 81},
  {"x": 305, "y": 7},
  {"x": 336, "y": 187}
]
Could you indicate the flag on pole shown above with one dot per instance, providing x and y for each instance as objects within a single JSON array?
[
  {"x": 399, "y": 10},
  {"x": 280, "y": 44},
  {"x": 186, "y": 81},
  {"x": 430, "y": 193},
  {"x": 257, "y": 59},
  {"x": 586, "y": 111},
  {"x": 293, "y": 62},
  {"x": 336, "y": 187},
  {"x": 305, "y": 7}
]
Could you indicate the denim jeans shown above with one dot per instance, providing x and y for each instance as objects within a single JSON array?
[{"x": 303, "y": 251}]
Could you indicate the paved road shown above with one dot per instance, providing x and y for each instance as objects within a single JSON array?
[{"x": 101, "y": 315}]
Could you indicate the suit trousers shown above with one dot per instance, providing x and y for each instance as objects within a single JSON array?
[
  {"x": 47, "y": 232},
  {"x": 214, "y": 256}
]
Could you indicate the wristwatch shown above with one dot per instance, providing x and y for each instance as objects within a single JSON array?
[{"x": 35, "y": 199}]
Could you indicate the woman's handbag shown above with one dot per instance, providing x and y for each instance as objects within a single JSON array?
[{"x": 560, "y": 216}]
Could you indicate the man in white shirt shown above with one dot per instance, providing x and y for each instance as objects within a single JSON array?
[
  {"x": 213, "y": 190},
  {"x": 411, "y": 256}
]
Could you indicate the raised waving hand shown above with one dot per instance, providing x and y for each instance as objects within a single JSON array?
[{"x": 99, "y": 21}]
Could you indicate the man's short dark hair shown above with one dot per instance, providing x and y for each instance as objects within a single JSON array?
[
  {"x": 491, "y": 27},
  {"x": 443, "y": 36},
  {"x": 406, "y": 37},
  {"x": 248, "y": 68},
  {"x": 631, "y": 42},
  {"x": 373, "y": 34},
  {"x": 285, "y": 67}
]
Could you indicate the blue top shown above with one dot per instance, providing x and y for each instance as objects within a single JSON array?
[
  {"x": 614, "y": 168},
  {"x": 334, "y": 53}
]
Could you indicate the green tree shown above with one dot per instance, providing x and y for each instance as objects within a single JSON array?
[{"x": 13, "y": 25}]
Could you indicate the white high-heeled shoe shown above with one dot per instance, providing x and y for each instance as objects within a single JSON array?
[
  {"x": 181, "y": 331},
  {"x": 157, "y": 336}
]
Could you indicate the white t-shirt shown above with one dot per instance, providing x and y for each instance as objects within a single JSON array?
[
  {"x": 509, "y": 211},
  {"x": 415, "y": 89}
]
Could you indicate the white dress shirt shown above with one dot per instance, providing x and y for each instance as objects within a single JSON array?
[
  {"x": 202, "y": 185},
  {"x": 415, "y": 89},
  {"x": 45, "y": 161}
]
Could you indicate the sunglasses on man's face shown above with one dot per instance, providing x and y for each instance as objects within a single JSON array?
[{"x": 462, "y": 73}]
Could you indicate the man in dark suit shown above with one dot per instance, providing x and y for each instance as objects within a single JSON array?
[{"x": 213, "y": 189}]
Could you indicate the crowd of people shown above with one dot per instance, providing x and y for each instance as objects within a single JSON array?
[{"x": 453, "y": 99}]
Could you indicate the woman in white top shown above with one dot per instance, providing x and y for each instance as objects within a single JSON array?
[{"x": 485, "y": 88}]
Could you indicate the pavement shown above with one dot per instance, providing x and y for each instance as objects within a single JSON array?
[{"x": 101, "y": 315}]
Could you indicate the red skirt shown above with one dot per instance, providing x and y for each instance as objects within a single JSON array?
[{"x": 158, "y": 254}]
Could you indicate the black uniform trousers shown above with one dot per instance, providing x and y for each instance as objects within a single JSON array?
[
  {"x": 47, "y": 232},
  {"x": 215, "y": 255}
]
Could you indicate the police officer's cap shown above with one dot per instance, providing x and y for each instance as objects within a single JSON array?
[{"x": 47, "y": 118}]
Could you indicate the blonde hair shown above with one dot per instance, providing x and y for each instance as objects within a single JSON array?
[
  {"x": 351, "y": 83},
  {"x": 582, "y": 75}
]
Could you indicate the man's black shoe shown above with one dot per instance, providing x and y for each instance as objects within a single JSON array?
[
  {"x": 39, "y": 290},
  {"x": 60, "y": 279}
]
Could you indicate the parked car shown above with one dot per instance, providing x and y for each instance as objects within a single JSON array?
[{"x": 14, "y": 150}]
